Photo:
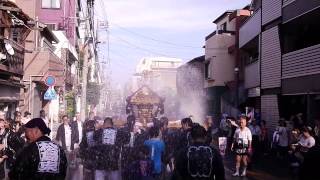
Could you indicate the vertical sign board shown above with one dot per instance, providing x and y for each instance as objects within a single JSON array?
[{"x": 50, "y": 93}]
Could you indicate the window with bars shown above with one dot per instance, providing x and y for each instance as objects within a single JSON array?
[{"x": 51, "y": 4}]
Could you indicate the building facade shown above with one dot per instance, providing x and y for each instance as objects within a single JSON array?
[
  {"x": 59, "y": 15},
  {"x": 221, "y": 61},
  {"x": 13, "y": 32},
  {"x": 282, "y": 50},
  {"x": 54, "y": 54}
]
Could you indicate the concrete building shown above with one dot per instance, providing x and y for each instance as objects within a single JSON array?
[
  {"x": 300, "y": 67},
  {"x": 158, "y": 72},
  {"x": 221, "y": 60},
  {"x": 53, "y": 54},
  {"x": 249, "y": 44},
  {"x": 286, "y": 62},
  {"x": 59, "y": 15},
  {"x": 13, "y": 32}
]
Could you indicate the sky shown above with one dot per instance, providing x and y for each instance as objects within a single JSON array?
[{"x": 148, "y": 28}]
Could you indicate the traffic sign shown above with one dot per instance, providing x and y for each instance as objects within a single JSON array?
[
  {"x": 50, "y": 94},
  {"x": 50, "y": 81}
]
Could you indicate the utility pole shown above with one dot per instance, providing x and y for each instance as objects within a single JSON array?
[
  {"x": 88, "y": 40},
  {"x": 84, "y": 84}
]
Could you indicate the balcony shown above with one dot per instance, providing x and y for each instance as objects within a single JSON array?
[
  {"x": 302, "y": 62},
  {"x": 12, "y": 64},
  {"x": 219, "y": 32},
  {"x": 45, "y": 63},
  {"x": 293, "y": 9},
  {"x": 250, "y": 29},
  {"x": 252, "y": 75}
]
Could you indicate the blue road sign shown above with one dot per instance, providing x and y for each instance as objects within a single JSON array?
[
  {"x": 50, "y": 81},
  {"x": 50, "y": 94}
]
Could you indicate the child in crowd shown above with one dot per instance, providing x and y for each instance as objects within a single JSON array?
[{"x": 142, "y": 168}]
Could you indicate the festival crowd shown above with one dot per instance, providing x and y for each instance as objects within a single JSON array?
[{"x": 157, "y": 152}]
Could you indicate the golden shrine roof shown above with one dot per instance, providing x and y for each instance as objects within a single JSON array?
[{"x": 144, "y": 96}]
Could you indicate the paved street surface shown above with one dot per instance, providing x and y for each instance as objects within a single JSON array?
[
  {"x": 265, "y": 169},
  {"x": 266, "y": 173}
]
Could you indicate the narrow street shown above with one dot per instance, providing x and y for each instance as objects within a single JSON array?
[{"x": 99, "y": 89}]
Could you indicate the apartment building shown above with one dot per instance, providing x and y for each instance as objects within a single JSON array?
[
  {"x": 300, "y": 59},
  {"x": 221, "y": 63},
  {"x": 280, "y": 46},
  {"x": 54, "y": 53}
]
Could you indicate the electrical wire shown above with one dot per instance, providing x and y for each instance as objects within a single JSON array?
[
  {"x": 140, "y": 48},
  {"x": 154, "y": 39},
  {"x": 132, "y": 45},
  {"x": 159, "y": 47},
  {"x": 151, "y": 38}
]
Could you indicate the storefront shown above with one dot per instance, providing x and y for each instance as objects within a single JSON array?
[
  {"x": 9, "y": 100},
  {"x": 301, "y": 95},
  {"x": 306, "y": 104}
]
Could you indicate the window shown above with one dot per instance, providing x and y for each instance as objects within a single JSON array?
[
  {"x": 223, "y": 27},
  {"x": 301, "y": 32},
  {"x": 51, "y": 27},
  {"x": 53, "y": 4},
  {"x": 207, "y": 73}
]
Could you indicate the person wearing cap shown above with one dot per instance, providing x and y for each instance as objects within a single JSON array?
[
  {"x": 41, "y": 159},
  {"x": 199, "y": 160}
]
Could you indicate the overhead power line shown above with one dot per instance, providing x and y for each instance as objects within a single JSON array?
[
  {"x": 140, "y": 48},
  {"x": 154, "y": 39},
  {"x": 144, "y": 36}
]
